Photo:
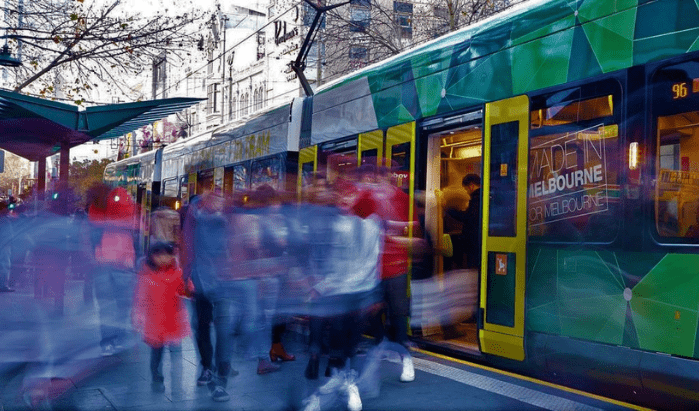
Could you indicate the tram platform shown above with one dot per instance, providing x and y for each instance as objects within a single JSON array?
[{"x": 122, "y": 382}]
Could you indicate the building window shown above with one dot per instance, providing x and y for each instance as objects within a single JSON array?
[
  {"x": 160, "y": 78},
  {"x": 212, "y": 98},
  {"x": 255, "y": 99},
  {"x": 260, "y": 44},
  {"x": 404, "y": 18},
  {"x": 244, "y": 101},
  {"x": 309, "y": 14},
  {"x": 361, "y": 3},
  {"x": 358, "y": 53},
  {"x": 359, "y": 19},
  {"x": 262, "y": 97}
]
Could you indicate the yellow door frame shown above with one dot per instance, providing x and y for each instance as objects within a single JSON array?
[
  {"x": 498, "y": 339},
  {"x": 306, "y": 155},
  {"x": 369, "y": 141}
]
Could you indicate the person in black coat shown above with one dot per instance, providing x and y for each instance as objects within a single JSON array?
[{"x": 471, "y": 220}]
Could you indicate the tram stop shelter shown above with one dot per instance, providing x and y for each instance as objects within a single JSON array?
[{"x": 36, "y": 128}]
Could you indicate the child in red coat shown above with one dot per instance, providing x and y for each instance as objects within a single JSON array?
[{"x": 159, "y": 314}]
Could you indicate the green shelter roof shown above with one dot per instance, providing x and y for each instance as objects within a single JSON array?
[{"x": 33, "y": 127}]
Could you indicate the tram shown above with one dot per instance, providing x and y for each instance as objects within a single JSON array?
[
  {"x": 263, "y": 150},
  {"x": 582, "y": 120}
]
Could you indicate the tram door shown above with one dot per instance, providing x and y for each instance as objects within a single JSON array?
[
  {"x": 308, "y": 165},
  {"x": 446, "y": 302},
  {"x": 504, "y": 229}
]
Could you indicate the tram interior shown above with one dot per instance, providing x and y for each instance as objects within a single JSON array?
[
  {"x": 447, "y": 312},
  {"x": 677, "y": 206}
]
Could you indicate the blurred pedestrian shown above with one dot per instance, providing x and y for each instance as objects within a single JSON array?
[
  {"x": 55, "y": 239},
  {"x": 5, "y": 249},
  {"x": 114, "y": 220},
  {"x": 206, "y": 261},
  {"x": 392, "y": 205},
  {"x": 276, "y": 234},
  {"x": 344, "y": 265},
  {"x": 159, "y": 313}
]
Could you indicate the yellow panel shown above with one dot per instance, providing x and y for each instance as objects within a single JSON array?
[
  {"x": 400, "y": 134},
  {"x": 504, "y": 345},
  {"x": 306, "y": 155},
  {"x": 369, "y": 141},
  {"x": 498, "y": 339}
]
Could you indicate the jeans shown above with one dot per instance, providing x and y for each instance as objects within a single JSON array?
[
  {"x": 114, "y": 290},
  {"x": 250, "y": 317},
  {"x": 214, "y": 308}
]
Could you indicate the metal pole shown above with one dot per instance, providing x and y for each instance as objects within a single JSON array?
[{"x": 223, "y": 65}]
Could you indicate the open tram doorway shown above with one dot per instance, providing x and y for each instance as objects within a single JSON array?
[{"x": 447, "y": 303}]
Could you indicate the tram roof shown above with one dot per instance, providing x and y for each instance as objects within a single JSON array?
[{"x": 33, "y": 127}]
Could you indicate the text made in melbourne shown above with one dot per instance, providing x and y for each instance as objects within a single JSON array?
[{"x": 567, "y": 176}]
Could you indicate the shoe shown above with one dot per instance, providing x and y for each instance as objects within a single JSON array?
[
  {"x": 206, "y": 377},
  {"x": 266, "y": 367},
  {"x": 277, "y": 353},
  {"x": 408, "y": 373},
  {"x": 333, "y": 384},
  {"x": 108, "y": 350},
  {"x": 220, "y": 395},
  {"x": 157, "y": 386},
  {"x": 311, "y": 403},
  {"x": 354, "y": 402},
  {"x": 312, "y": 368}
]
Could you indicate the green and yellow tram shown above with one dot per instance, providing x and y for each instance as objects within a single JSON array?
[{"x": 582, "y": 119}]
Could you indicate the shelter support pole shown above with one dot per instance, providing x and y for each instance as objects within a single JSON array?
[
  {"x": 64, "y": 167},
  {"x": 41, "y": 178}
]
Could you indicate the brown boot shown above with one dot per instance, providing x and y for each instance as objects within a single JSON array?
[
  {"x": 277, "y": 353},
  {"x": 266, "y": 367}
]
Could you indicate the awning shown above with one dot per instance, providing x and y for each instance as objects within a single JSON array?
[{"x": 34, "y": 128}]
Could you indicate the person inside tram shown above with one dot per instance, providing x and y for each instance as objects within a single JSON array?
[{"x": 470, "y": 219}]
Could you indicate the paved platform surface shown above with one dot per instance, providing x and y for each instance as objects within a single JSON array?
[{"x": 122, "y": 382}]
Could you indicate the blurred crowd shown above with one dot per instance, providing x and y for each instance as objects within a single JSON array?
[{"x": 245, "y": 265}]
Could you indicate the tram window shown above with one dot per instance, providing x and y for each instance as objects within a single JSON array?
[
  {"x": 400, "y": 165},
  {"x": 503, "y": 177},
  {"x": 306, "y": 174},
  {"x": 574, "y": 165},
  {"x": 369, "y": 156},
  {"x": 573, "y": 112},
  {"x": 340, "y": 158},
  {"x": 674, "y": 101},
  {"x": 266, "y": 171},
  {"x": 170, "y": 188},
  {"x": 240, "y": 177},
  {"x": 677, "y": 188}
]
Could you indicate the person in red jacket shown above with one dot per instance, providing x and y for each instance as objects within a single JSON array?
[
  {"x": 159, "y": 314},
  {"x": 376, "y": 195}
]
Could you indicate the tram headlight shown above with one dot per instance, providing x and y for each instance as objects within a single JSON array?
[{"x": 633, "y": 156}]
